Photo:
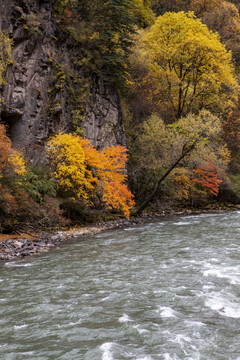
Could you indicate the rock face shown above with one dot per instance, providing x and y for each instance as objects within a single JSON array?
[
  {"x": 103, "y": 123},
  {"x": 36, "y": 98}
]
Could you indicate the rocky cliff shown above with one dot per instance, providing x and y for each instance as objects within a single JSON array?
[{"x": 46, "y": 90}]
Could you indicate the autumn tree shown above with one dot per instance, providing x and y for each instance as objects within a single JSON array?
[
  {"x": 185, "y": 67},
  {"x": 162, "y": 6},
  {"x": 200, "y": 7},
  {"x": 82, "y": 171},
  {"x": 224, "y": 18},
  {"x": 12, "y": 168},
  {"x": 219, "y": 15},
  {"x": 190, "y": 143},
  {"x": 208, "y": 178},
  {"x": 11, "y": 161}
]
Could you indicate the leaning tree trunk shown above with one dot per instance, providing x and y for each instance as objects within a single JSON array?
[{"x": 163, "y": 177}]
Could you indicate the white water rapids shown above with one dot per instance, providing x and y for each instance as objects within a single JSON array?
[{"x": 168, "y": 290}]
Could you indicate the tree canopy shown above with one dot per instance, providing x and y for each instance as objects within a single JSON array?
[
  {"x": 224, "y": 18},
  {"x": 191, "y": 146},
  {"x": 11, "y": 161},
  {"x": 104, "y": 31},
  {"x": 82, "y": 171},
  {"x": 188, "y": 68}
]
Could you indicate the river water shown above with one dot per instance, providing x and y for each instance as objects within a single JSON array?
[{"x": 168, "y": 290}]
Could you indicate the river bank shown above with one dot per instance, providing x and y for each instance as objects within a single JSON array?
[
  {"x": 19, "y": 246},
  {"x": 22, "y": 245}
]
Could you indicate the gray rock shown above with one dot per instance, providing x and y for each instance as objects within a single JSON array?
[
  {"x": 17, "y": 244},
  {"x": 27, "y": 242},
  {"x": 35, "y": 105},
  {"x": 103, "y": 123},
  {"x": 40, "y": 244}
]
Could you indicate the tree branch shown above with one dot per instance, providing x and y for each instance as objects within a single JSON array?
[{"x": 163, "y": 177}]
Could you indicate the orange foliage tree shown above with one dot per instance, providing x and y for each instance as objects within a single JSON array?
[
  {"x": 208, "y": 178},
  {"x": 83, "y": 171},
  {"x": 11, "y": 165},
  {"x": 11, "y": 160}
]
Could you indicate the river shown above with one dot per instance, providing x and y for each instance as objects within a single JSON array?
[{"x": 168, "y": 290}]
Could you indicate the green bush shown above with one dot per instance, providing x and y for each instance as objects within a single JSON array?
[
  {"x": 38, "y": 184},
  {"x": 235, "y": 184}
]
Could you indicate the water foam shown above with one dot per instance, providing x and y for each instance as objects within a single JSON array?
[
  {"x": 18, "y": 264},
  {"x": 124, "y": 318},
  {"x": 223, "y": 305},
  {"x": 141, "y": 331},
  {"x": 106, "y": 349},
  {"x": 181, "y": 339},
  {"x": 18, "y": 327},
  {"x": 169, "y": 357},
  {"x": 182, "y": 223},
  {"x": 231, "y": 273},
  {"x": 166, "y": 311}
]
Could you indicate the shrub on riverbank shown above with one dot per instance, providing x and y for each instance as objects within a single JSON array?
[{"x": 77, "y": 177}]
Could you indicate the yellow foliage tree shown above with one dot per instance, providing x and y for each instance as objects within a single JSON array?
[
  {"x": 68, "y": 157},
  {"x": 187, "y": 66},
  {"x": 82, "y": 170}
]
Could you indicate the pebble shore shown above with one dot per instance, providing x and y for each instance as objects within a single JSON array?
[{"x": 13, "y": 247}]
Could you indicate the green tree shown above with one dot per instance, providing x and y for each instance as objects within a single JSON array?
[
  {"x": 185, "y": 67},
  {"x": 5, "y": 54},
  {"x": 113, "y": 39},
  {"x": 143, "y": 13},
  {"x": 190, "y": 143},
  {"x": 104, "y": 31}
]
